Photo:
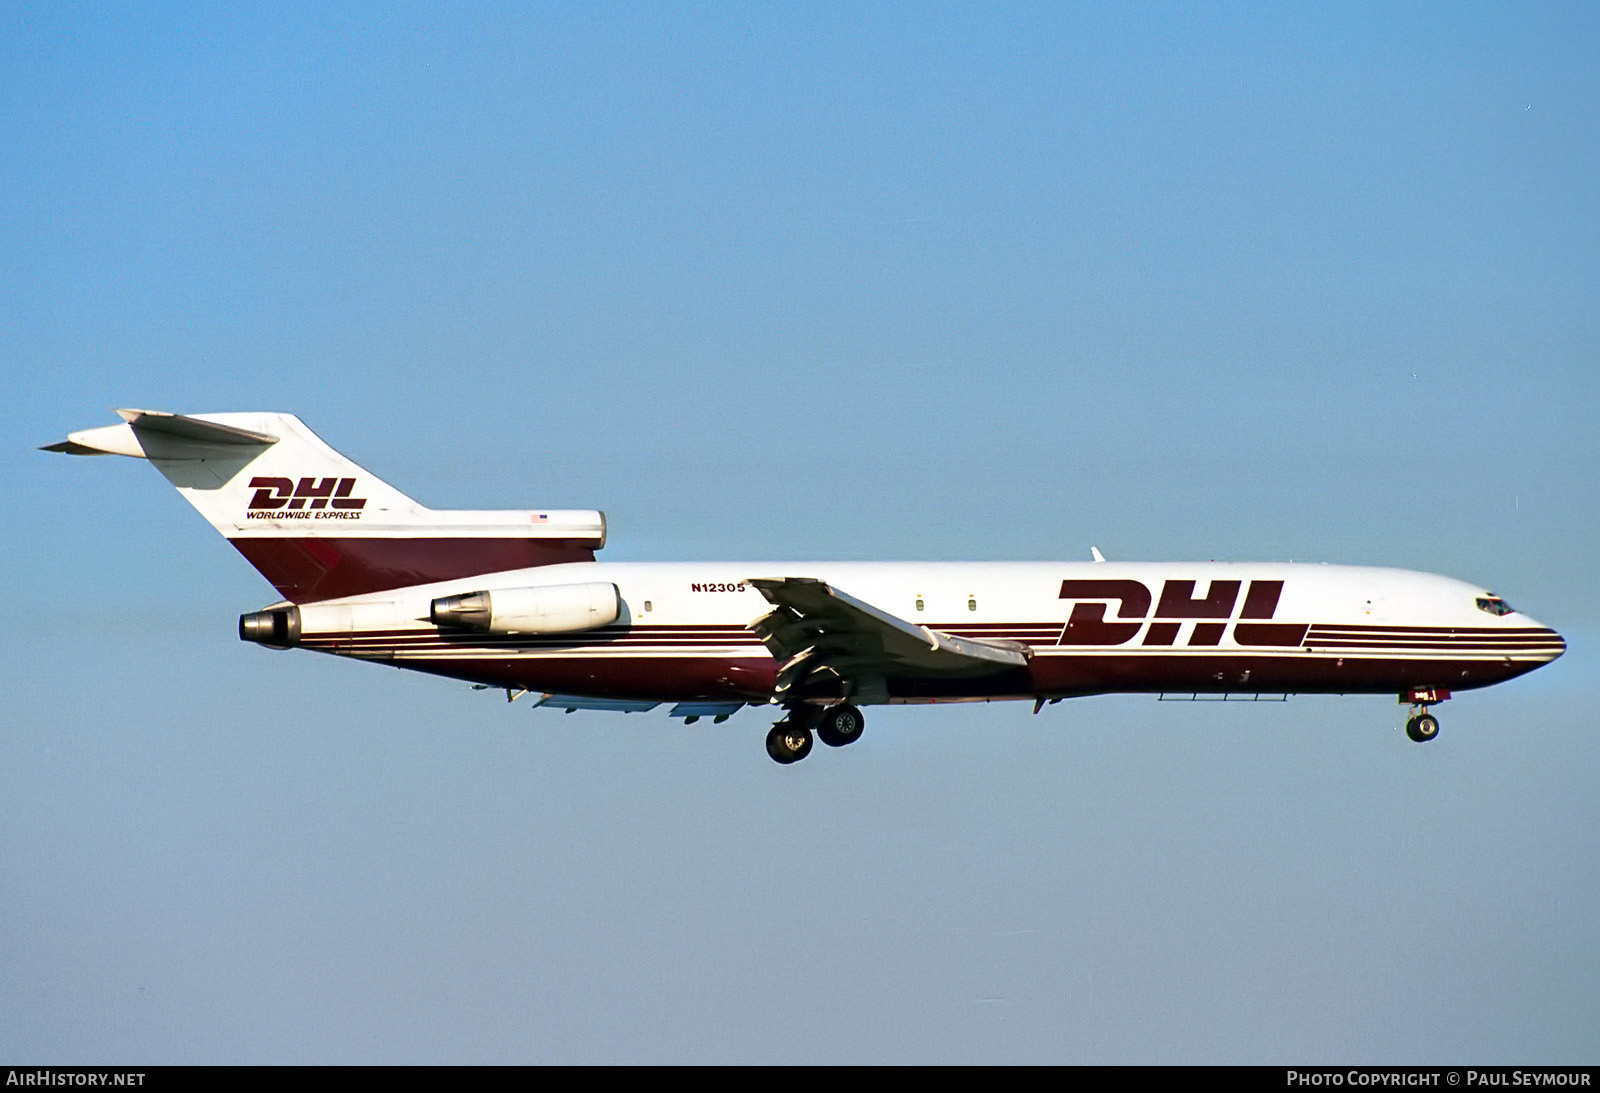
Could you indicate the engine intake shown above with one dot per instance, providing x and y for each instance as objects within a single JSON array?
[{"x": 548, "y": 609}]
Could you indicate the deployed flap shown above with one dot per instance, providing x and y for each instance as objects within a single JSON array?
[
  {"x": 815, "y": 628},
  {"x": 694, "y": 711},
  {"x": 570, "y": 703}
]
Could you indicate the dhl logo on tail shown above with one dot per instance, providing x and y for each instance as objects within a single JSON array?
[{"x": 329, "y": 498}]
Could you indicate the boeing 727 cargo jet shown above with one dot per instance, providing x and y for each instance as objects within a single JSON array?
[{"x": 516, "y": 599}]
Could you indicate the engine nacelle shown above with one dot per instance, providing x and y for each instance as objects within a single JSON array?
[{"x": 549, "y": 609}]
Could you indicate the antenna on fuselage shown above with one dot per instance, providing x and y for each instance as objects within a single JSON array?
[{"x": 1094, "y": 552}]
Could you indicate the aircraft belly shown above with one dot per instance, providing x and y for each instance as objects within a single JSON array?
[
  {"x": 1237, "y": 671},
  {"x": 671, "y": 677},
  {"x": 665, "y": 678}
]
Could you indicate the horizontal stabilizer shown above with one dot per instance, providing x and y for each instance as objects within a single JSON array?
[
  {"x": 192, "y": 428},
  {"x": 69, "y": 447},
  {"x": 154, "y": 434}
]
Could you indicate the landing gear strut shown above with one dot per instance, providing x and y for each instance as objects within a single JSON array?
[{"x": 1422, "y": 726}]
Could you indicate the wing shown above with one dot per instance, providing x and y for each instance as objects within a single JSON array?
[{"x": 815, "y": 630}]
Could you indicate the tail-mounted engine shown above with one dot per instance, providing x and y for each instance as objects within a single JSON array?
[{"x": 550, "y": 609}]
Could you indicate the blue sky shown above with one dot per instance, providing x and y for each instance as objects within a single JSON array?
[{"x": 1215, "y": 281}]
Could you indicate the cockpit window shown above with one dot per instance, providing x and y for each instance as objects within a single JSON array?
[{"x": 1494, "y": 605}]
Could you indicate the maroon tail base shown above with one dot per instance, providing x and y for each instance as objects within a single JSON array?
[{"x": 304, "y": 570}]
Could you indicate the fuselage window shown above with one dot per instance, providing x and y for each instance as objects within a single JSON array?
[
  {"x": 1494, "y": 605},
  {"x": 919, "y": 603}
]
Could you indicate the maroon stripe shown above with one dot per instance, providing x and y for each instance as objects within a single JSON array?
[
  {"x": 311, "y": 569},
  {"x": 1444, "y": 640},
  {"x": 507, "y": 641},
  {"x": 599, "y": 631},
  {"x": 1440, "y": 642},
  {"x": 1463, "y": 647},
  {"x": 1159, "y": 633},
  {"x": 1404, "y": 630}
]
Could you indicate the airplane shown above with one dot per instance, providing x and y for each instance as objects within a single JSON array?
[{"x": 516, "y": 600}]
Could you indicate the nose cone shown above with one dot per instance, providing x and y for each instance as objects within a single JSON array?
[
  {"x": 1540, "y": 642},
  {"x": 1558, "y": 645}
]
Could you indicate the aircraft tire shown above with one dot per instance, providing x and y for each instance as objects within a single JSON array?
[
  {"x": 788, "y": 743},
  {"x": 1422, "y": 728},
  {"x": 841, "y": 725}
]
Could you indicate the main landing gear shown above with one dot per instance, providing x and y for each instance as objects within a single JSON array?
[
  {"x": 840, "y": 725},
  {"x": 790, "y": 739},
  {"x": 788, "y": 742},
  {"x": 1422, "y": 726}
]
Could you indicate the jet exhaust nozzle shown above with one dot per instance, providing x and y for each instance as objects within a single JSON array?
[
  {"x": 276, "y": 628},
  {"x": 471, "y": 611}
]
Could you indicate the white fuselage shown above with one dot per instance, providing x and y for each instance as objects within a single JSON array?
[{"x": 683, "y": 631}]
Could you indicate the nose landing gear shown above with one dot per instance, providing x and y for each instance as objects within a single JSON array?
[{"x": 1422, "y": 726}]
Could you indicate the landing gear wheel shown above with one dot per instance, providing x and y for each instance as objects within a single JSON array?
[
  {"x": 840, "y": 725},
  {"x": 788, "y": 742},
  {"x": 1422, "y": 728}
]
